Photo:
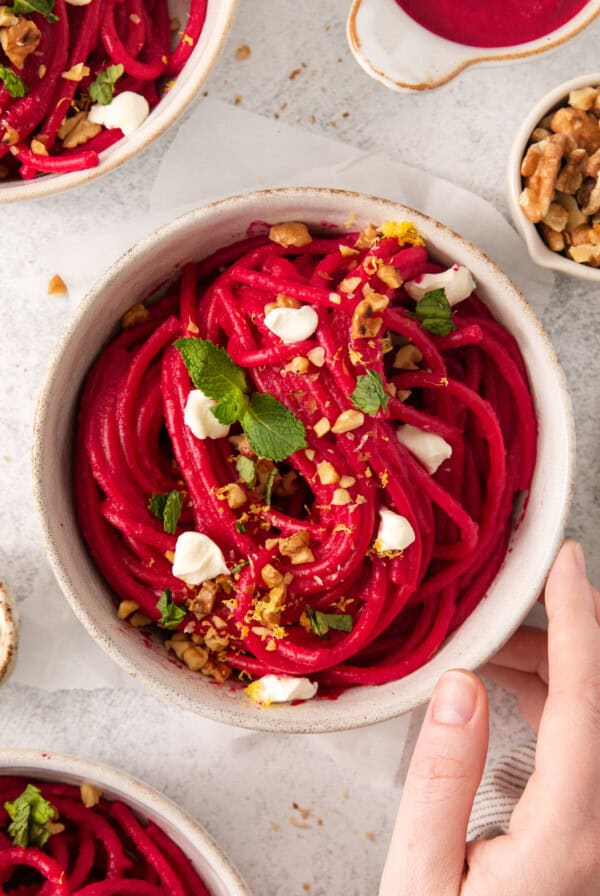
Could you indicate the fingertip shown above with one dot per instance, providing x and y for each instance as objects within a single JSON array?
[
  {"x": 567, "y": 579},
  {"x": 456, "y": 697}
]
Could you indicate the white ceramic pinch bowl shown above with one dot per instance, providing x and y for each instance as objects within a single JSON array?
[
  {"x": 220, "y": 876},
  {"x": 219, "y": 19},
  {"x": 395, "y": 50},
  {"x": 134, "y": 277},
  {"x": 538, "y": 250},
  {"x": 9, "y": 632}
]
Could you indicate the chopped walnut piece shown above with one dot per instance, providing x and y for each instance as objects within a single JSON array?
[
  {"x": 77, "y": 129},
  {"x": 137, "y": 314},
  {"x": 588, "y": 196},
  {"x": 11, "y": 136},
  {"x": 127, "y": 608},
  {"x": 408, "y": 357},
  {"x": 76, "y": 72},
  {"x": 38, "y": 148},
  {"x": 316, "y": 356},
  {"x": 365, "y": 323},
  {"x": 593, "y": 165},
  {"x": 553, "y": 240},
  {"x": 389, "y": 275},
  {"x": 20, "y": 40},
  {"x": 584, "y": 235},
  {"x": 348, "y": 420},
  {"x": 299, "y": 364},
  {"x": 557, "y": 217},
  {"x": 195, "y": 658},
  {"x": 282, "y": 301},
  {"x": 290, "y": 233},
  {"x": 583, "y": 98},
  {"x": 349, "y": 284},
  {"x": 204, "y": 602},
  {"x": 242, "y": 445},
  {"x": 233, "y": 494},
  {"x": 540, "y": 168},
  {"x": 271, "y": 576},
  {"x": 219, "y": 671},
  {"x": 571, "y": 175},
  {"x": 322, "y": 427},
  {"x": 327, "y": 473},
  {"x": 576, "y": 217},
  {"x": 581, "y": 127},
  {"x": 340, "y": 497},
  {"x": 90, "y": 794},
  {"x": 540, "y": 134},
  {"x": 296, "y": 548},
  {"x": 138, "y": 620},
  {"x": 7, "y": 18},
  {"x": 57, "y": 286},
  {"x": 585, "y": 254}
]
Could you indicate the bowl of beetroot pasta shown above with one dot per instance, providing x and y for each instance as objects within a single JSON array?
[
  {"x": 299, "y": 452},
  {"x": 77, "y": 828},
  {"x": 86, "y": 86}
]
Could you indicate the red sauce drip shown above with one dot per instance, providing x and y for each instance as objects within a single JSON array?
[{"x": 491, "y": 23}]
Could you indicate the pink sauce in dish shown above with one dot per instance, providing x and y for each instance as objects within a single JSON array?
[{"x": 493, "y": 23}]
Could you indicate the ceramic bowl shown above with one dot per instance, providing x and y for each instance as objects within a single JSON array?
[
  {"x": 9, "y": 632},
  {"x": 537, "y": 248},
  {"x": 396, "y": 50},
  {"x": 220, "y": 876},
  {"x": 135, "y": 276},
  {"x": 219, "y": 19}
]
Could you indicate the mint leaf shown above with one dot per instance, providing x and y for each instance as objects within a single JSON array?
[
  {"x": 370, "y": 394},
  {"x": 24, "y": 7},
  {"x": 322, "y": 622},
  {"x": 15, "y": 85},
  {"x": 171, "y": 613},
  {"x": 103, "y": 88},
  {"x": 240, "y": 527},
  {"x": 211, "y": 369},
  {"x": 30, "y": 812},
  {"x": 434, "y": 313},
  {"x": 269, "y": 485},
  {"x": 167, "y": 507},
  {"x": 246, "y": 470},
  {"x": 272, "y": 430},
  {"x": 230, "y": 408}
]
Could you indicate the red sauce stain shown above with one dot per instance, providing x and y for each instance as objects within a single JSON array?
[{"x": 492, "y": 23}]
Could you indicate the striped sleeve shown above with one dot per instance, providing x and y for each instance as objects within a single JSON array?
[{"x": 499, "y": 792}]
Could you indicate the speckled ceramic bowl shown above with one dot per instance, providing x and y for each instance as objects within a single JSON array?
[
  {"x": 212, "y": 865},
  {"x": 9, "y": 632},
  {"x": 396, "y": 50},
  {"x": 134, "y": 277},
  {"x": 219, "y": 19},
  {"x": 539, "y": 251}
]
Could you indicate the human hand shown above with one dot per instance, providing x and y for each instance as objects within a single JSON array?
[{"x": 553, "y": 844}]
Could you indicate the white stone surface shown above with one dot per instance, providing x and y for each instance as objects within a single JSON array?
[{"x": 246, "y": 794}]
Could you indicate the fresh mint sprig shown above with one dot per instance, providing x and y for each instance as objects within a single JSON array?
[
  {"x": 434, "y": 313},
  {"x": 15, "y": 86},
  {"x": 26, "y": 7},
  {"x": 103, "y": 88},
  {"x": 30, "y": 813},
  {"x": 322, "y": 622},
  {"x": 370, "y": 395},
  {"x": 272, "y": 430},
  {"x": 171, "y": 614},
  {"x": 167, "y": 507}
]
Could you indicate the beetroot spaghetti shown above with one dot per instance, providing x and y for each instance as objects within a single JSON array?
[
  {"x": 301, "y": 461},
  {"x": 65, "y": 840},
  {"x": 76, "y": 79}
]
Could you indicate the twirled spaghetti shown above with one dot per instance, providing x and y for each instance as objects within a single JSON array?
[
  {"x": 53, "y": 843},
  {"x": 310, "y": 588},
  {"x": 56, "y": 64}
]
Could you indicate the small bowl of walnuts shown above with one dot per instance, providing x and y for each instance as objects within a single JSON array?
[{"x": 554, "y": 179}]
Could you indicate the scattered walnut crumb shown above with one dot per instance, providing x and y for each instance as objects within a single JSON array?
[
  {"x": 370, "y": 836},
  {"x": 76, "y": 72},
  {"x": 137, "y": 314},
  {"x": 238, "y": 99},
  {"x": 20, "y": 39},
  {"x": 243, "y": 52},
  {"x": 90, "y": 794},
  {"x": 290, "y": 233},
  {"x": 294, "y": 74},
  {"x": 57, "y": 286}
]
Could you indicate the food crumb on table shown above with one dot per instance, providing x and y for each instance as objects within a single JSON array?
[
  {"x": 57, "y": 286},
  {"x": 243, "y": 52}
]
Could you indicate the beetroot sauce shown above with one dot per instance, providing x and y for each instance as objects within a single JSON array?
[{"x": 491, "y": 23}]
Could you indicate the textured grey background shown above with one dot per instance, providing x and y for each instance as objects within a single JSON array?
[{"x": 245, "y": 793}]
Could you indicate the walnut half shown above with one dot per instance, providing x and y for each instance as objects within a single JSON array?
[{"x": 19, "y": 40}]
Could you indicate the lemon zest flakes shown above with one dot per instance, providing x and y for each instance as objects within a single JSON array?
[
  {"x": 255, "y": 692},
  {"x": 405, "y": 232},
  {"x": 342, "y": 527}
]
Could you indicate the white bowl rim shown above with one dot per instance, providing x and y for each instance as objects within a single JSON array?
[
  {"x": 538, "y": 250},
  {"x": 246, "y": 717},
  {"x": 192, "y": 78},
  {"x": 466, "y": 55},
  {"x": 51, "y": 766}
]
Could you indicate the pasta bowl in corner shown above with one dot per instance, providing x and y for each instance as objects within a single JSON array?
[
  {"x": 407, "y": 53},
  {"x": 294, "y": 530}
]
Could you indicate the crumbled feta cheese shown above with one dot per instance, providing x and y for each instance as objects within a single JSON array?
[
  {"x": 432, "y": 450},
  {"x": 197, "y": 558},
  {"x": 457, "y": 282},
  {"x": 127, "y": 111},
  {"x": 395, "y": 532},
  {"x": 292, "y": 324},
  {"x": 280, "y": 689},
  {"x": 199, "y": 417}
]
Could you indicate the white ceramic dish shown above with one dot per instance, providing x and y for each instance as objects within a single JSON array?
[
  {"x": 396, "y": 50},
  {"x": 537, "y": 248},
  {"x": 9, "y": 632},
  {"x": 135, "y": 276},
  {"x": 219, "y": 19},
  {"x": 213, "y": 866}
]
